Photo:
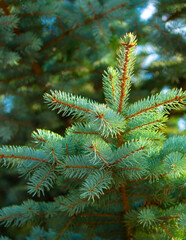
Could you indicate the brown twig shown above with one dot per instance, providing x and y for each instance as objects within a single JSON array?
[
  {"x": 25, "y": 158},
  {"x": 65, "y": 228},
  {"x": 167, "y": 230},
  {"x": 126, "y": 205}
]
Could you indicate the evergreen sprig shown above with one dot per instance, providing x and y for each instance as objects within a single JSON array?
[{"x": 124, "y": 179}]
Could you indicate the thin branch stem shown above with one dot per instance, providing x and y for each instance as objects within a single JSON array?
[
  {"x": 124, "y": 79},
  {"x": 92, "y": 133},
  {"x": 15, "y": 121},
  {"x": 98, "y": 223},
  {"x": 167, "y": 230},
  {"x": 129, "y": 154},
  {"x": 43, "y": 179},
  {"x": 90, "y": 232},
  {"x": 176, "y": 98},
  {"x": 84, "y": 167},
  {"x": 99, "y": 215},
  {"x": 23, "y": 158},
  {"x": 54, "y": 100},
  {"x": 125, "y": 199},
  {"x": 143, "y": 125},
  {"x": 95, "y": 15},
  {"x": 65, "y": 228}
]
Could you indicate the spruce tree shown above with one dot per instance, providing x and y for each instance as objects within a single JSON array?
[{"x": 123, "y": 179}]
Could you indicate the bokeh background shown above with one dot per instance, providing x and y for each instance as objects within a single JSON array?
[{"x": 67, "y": 45}]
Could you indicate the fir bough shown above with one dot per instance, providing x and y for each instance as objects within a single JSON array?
[{"x": 124, "y": 180}]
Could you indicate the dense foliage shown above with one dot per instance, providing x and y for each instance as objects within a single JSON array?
[{"x": 121, "y": 178}]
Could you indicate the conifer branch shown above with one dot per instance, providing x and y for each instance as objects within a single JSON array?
[
  {"x": 99, "y": 215},
  {"x": 97, "y": 20},
  {"x": 129, "y": 168},
  {"x": 126, "y": 206},
  {"x": 141, "y": 195},
  {"x": 171, "y": 217},
  {"x": 119, "y": 139},
  {"x": 37, "y": 68},
  {"x": 176, "y": 98},
  {"x": 113, "y": 87},
  {"x": 41, "y": 139},
  {"x": 129, "y": 154},
  {"x": 77, "y": 203},
  {"x": 88, "y": 21},
  {"x": 157, "y": 26},
  {"x": 84, "y": 40},
  {"x": 38, "y": 185},
  {"x": 54, "y": 100},
  {"x": 143, "y": 125},
  {"x": 70, "y": 179},
  {"x": 24, "y": 215},
  {"x": 2, "y": 44},
  {"x": 91, "y": 133},
  {"x": 90, "y": 232},
  {"x": 65, "y": 228},
  {"x": 98, "y": 222},
  {"x": 110, "y": 203},
  {"x": 167, "y": 230},
  {"x": 12, "y": 216},
  {"x": 110, "y": 233},
  {"x": 125, "y": 199},
  {"x": 30, "y": 169},
  {"x": 18, "y": 77},
  {"x": 34, "y": 14},
  {"x": 145, "y": 178},
  {"x": 5, "y": 23},
  {"x": 45, "y": 177},
  {"x": 102, "y": 177},
  {"x": 124, "y": 77},
  {"x": 40, "y": 238},
  {"x": 2, "y": 155},
  {"x": 102, "y": 158},
  {"x": 15, "y": 121},
  {"x": 67, "y": 152},
  {"x": 88, "y": 167}
]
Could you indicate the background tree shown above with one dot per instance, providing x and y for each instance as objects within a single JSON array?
[
  {"x": 53, "y": 44},
  {"x": 166, "y": 47}
]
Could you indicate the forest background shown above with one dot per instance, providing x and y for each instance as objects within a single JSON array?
[{"x": 67, "y": 45}]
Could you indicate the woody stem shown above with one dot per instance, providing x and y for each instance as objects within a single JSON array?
[{"x": 125, "y": 199}]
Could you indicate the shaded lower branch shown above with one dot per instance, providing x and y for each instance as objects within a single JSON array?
[
  {"x": 167, "y": 230},
  {"x": 4, "y": 7},
  {"x": 66, "y": 226}
]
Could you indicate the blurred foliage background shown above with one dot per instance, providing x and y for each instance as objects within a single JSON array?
[{"x": 67, "y": 45}]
